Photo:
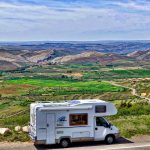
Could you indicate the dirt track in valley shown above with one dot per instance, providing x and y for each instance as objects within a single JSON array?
[{"x": 133, "y": 90}]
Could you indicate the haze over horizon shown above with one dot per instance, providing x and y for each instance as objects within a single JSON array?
[{"x": 74, "y": 20}]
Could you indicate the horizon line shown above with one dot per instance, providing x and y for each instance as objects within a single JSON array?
[{"x": 16, "y": 41}]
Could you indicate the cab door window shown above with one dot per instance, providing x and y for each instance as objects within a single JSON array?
[{"x": 101, "y": 122}]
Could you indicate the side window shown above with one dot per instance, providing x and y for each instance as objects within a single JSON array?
[
  {"x": 101, "y": 122},
  {"x": 78, "y": 119},
  {"x": 100, "y": 109}
]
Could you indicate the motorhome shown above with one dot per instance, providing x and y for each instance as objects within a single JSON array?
[{"x": 72, "y": 121}]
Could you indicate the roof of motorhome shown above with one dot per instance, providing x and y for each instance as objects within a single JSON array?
[
  {"x": 70, "y": 103},
  {"x": 89, "y": 101},
  {"x": 74, "y": 104}
]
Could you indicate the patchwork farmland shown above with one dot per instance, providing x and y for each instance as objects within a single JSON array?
[{"x": 59, "y": 83}]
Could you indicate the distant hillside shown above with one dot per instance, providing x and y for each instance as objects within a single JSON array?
[
  {"x": 140, "y": 55},
  {"x": 10, "y": 60},
  {"x": 13, "y": 59},
  {"x": 37, "y": 56},
  {"x": 91, "y": 56},
  {"x": 68, "y": 47}
]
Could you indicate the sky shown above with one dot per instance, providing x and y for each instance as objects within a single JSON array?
[{"x": 74, "y": 20}]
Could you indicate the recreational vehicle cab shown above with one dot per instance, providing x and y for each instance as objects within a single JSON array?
[{"x": 77, "y": 120}]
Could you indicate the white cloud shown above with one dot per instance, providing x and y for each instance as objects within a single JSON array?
[{"x": 134, "y": 5}]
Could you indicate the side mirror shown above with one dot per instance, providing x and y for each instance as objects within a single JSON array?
[{"x": 109, "y": 125}]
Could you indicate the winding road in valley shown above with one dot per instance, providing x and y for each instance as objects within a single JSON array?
[{"x": 133, "y": 90}]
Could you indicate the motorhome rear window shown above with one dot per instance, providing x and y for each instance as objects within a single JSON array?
[
  {"x": 100, "y": 109},
  {"x": 78, "y": 119}
]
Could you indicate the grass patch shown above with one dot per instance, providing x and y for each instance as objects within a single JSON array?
[
  {"x": 15, "y": 136},
  {"x": 133, "y": 125},
  {"x": 132, "y": 120}
]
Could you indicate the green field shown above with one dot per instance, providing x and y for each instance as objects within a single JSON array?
[
  {"x": 136, "y": 73},
  {"x": 88, "y": 86},
  {"x": 117, "y": 74}
]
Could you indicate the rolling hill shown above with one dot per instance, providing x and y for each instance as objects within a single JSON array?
[
  {"x": 91, "y": 56},
  {"x": 10, "y": 60},
  {"x": 140, "y": 55},
  {"x": 13, "y": 59}
]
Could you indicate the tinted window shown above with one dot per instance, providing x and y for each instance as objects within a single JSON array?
[
  {"x": 78, "y": 119},
  {"x": 101, "y": 122},
  {"x": 100, "y": 109}
]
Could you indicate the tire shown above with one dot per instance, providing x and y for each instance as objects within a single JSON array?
[
  {"x": 110, "y": 139},
  {"x": 64, "y": 143}
]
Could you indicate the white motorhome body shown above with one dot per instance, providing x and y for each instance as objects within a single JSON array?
[{"x": 76, "y": 120}]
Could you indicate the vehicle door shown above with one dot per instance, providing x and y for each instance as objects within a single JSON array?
[
  {"x": 50, "y": 139},
  {"x": 101, "y": 127}
]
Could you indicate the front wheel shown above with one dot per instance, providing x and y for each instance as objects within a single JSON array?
[
  {"x": 64, "y": 143},
  {"x": 110, "y": 139}
]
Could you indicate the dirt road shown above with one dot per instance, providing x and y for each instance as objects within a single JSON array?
[{"x": 133, "y": 91}]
